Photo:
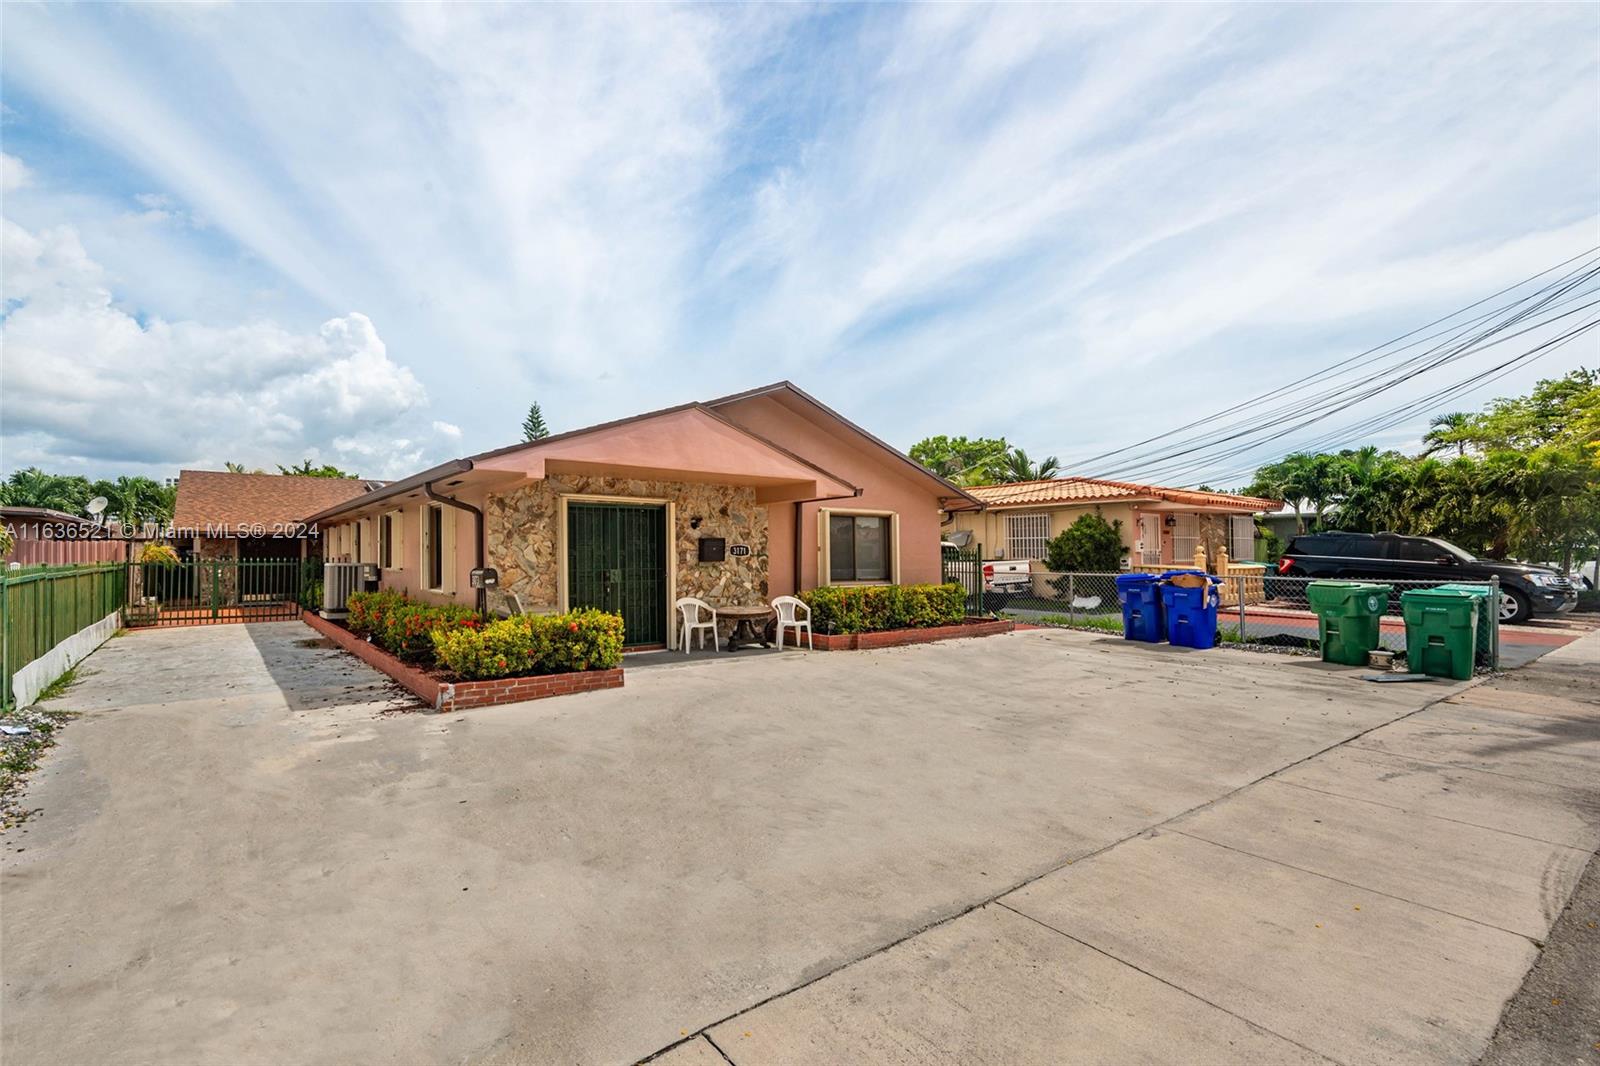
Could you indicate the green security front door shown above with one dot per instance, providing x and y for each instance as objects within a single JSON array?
[{"x": 617, "y": 561}]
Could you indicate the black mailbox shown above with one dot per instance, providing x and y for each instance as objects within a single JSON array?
[
  {"x": 713, "y": 549},
  {"x": 484, "y": 577}
]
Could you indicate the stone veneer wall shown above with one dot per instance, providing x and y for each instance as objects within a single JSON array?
[
  {"x": 208, "y": 548},
  {"x": 520, "y": 530}
]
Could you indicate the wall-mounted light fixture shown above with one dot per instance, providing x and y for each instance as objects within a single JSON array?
[
  {"x": 694, "y": 523},
  {"x": 1171, "y": 520}
]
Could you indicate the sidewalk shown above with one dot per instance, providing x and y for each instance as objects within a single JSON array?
[{"x": 1379, "y": 902}]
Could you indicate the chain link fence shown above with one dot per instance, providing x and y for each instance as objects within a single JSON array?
[{"x": 1259, "y": 610}]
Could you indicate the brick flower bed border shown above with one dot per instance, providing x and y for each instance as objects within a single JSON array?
[
  {"x": 894, "y": 638},
  {"x": 445, "y": 696}
]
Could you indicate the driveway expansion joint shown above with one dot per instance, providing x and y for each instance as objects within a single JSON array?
[
  {"x": 1097, "y": 949},
  {"x": 1364, "y": 888},
  {"x": 1439, "y": 817}
]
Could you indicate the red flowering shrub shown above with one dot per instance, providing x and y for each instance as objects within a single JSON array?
[
  {"x": 367, "y": 609},
  {"x": 408, "y": 630}
]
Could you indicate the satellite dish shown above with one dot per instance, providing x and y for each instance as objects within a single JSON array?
[{"x": 97, "y": 505}]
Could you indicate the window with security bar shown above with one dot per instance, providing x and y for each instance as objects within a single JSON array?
[
  {"x": 1241, "y": 537},
  {"x": 1026, "y": 535},
  {"x": 1185, "y": 538}
]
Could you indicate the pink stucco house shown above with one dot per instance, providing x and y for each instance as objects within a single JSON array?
[{"x": 734, "y": 500}]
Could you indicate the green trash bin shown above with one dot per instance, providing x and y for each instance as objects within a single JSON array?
[
  {"x": 1348, "y": 614},
  {"x": 1441, "y": 631},
  {"x": 1488, "y": 616}
]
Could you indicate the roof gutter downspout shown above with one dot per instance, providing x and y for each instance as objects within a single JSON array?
[
  {"x": 797, "y": 503},
  {"x": 477, "y": 519}
]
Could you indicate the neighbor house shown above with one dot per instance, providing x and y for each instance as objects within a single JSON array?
[
  {"x": 733, "y": 500},
  {"x": 45, "y": 537},
  {"x": 1160, "y": 526},
  {"x": 220, "y": 515}
]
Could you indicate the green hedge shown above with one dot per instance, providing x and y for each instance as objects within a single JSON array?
[
  {"x": 873, "y": 608},
  {"x": 405, "y": 627},
  {"x": 533, "y": 644}
]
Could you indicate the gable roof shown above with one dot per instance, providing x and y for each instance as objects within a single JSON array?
[
  {"x": 224, "y": 503},
  {"x": 951, "y": 491},
  {"x": 1095, "y": 490},
  {"x": 707, "y": 407}
]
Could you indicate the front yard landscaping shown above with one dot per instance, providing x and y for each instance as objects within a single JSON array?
[
  {"x": 450, "y": 657},
  {"x": 845, "y": 617}
]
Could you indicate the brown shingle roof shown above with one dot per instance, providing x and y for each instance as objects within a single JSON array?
[
  {"x": 223, "y": 502},
  {"x": 1089, "y": 490}
]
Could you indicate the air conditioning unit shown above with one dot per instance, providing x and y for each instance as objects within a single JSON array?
[{"x": 339, "y": 580}]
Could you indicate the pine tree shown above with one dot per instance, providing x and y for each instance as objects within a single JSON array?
[{"x": 533, "y": 427}]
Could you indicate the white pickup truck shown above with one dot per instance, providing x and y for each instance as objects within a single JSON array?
[{"x": 1005, "y": 578}]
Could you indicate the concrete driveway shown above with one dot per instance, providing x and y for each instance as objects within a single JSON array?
[{"x": 243, "y": 856}]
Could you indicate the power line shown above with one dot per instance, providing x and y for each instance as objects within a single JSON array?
[
  {"x": 1331, "y": 369},
  {"x": 1462, "y": 339}
]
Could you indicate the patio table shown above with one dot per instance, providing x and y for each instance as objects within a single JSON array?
[{"x": 745, "y": 632}]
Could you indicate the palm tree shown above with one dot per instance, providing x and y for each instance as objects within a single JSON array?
[
  {"x": 32, "y": 487},
  {"x": 1018, "y": 467},
  {"x": 1447, "y": 430}
]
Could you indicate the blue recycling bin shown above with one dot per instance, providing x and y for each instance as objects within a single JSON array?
[
  {"x": 1140, "y": 596},
  {"x": 1191, "y": 610}
]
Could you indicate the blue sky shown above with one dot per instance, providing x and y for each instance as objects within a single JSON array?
[{"x": 371, "y": 235}]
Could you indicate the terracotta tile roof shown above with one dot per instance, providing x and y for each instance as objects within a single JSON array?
[
  {"x": 224, "y": 502},
  {"x": 1090, "y": 490}
]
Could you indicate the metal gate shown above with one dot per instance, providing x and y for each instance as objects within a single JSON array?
[
  {"x": 198, "y": 591},
  {"x": 617, "y": 561},
  {"x": 965, "y": 568}
]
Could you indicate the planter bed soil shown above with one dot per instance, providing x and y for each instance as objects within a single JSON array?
[
  {"x": 894, "y": 638},
  {"x": 444, "y": 694}
]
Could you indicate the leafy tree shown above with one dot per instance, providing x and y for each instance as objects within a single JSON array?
[
  {"x": 1447, "y": 431},
  {"x": 1018, "y": 467},
  {"x": 1089, "y": 545},
  {"x": 32, "y": 487},
  {"x": 1525, "y": 481},
  {"x": 305, "y": 469},
  {"x": 962, "y": 460},
  {"x": 136, "y": 500},
  {"x": 239, "y": 468},
  {"x": 533, "y": 427}
]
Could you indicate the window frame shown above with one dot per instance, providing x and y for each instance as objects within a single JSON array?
[
  {"x": 1040, "y": 519},
  {"x": 439, "y": 542},
  {"x": 1236, "y": 523},
  {"x": 825, "y": 518}
]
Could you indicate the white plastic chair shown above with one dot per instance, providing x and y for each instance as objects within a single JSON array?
[
  {"x": 787, "y": 606},
  {"x": 689, "y": 610}
]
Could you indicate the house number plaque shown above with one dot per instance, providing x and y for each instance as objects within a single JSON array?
[{"x": 738, "y": 549}]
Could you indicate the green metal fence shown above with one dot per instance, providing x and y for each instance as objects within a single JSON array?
[
  {"x": 964, "y": 567},
  {"x": 206, "y": 591},
  {"x": 42, "y": 606}
]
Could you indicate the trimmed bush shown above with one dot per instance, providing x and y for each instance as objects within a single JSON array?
[
  {"x": 532, "y": 644},
  {"x": 367, "y": 609},
  {"x": 407, "y": 630},
  {"x": 874, "y": 608}
]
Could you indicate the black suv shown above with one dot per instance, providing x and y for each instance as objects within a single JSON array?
[{"x": 1528, "y": 590}]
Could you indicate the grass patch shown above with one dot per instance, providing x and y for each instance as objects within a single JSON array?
[
  {"x": 1090, "y": 622},
  {"x": 59, "y": 686}
]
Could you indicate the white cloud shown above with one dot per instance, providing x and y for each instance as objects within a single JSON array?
[
  {"x": 446, "y": 429},
  {"x": 609, "y": 209},
  {"x": 87, "y": 381},
  {"x": 14, "y": 173}
]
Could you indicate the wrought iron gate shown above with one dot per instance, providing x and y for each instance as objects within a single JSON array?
[
  {"x": 617, "y": 561},
  {"x": 199, "y": 591},
  {"x": 964, "y": 567}
]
